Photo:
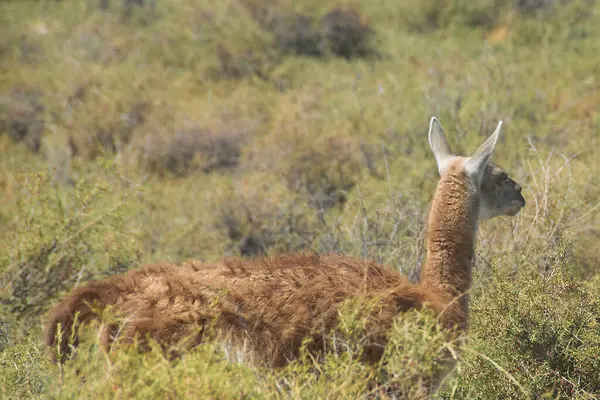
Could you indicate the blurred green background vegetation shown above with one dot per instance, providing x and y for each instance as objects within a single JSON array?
[{"x": 133, "y": 131}]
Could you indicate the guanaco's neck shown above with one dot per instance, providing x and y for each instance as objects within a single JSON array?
[{"x": 451, "y": 233}]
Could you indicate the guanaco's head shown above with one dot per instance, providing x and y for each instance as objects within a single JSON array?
[{"x": 498, "y": 193}]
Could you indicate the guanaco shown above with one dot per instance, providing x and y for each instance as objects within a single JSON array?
[{"x": 260, "y": 310}]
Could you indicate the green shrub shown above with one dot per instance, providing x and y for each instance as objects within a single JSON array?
[
  {"x": 542, "y": 329},
  {"x": 64, "y": 235},
  {"x": 260, "y": 219},
  {"x": 25, "y": 370}
]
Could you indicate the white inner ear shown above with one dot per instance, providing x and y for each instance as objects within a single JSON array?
[
  {"x": 439, "y": 146},
  {"x": 475, "y": 168},
  {"x": 477, "y": 163}
]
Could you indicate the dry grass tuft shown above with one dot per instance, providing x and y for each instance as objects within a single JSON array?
[
  {"x": 22, "y": 116},
  {"x": 192, "y": 149},
  {"x": 346, "y": 33}
]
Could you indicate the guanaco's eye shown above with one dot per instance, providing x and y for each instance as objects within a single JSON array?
[{"x": 501, "y": 178}]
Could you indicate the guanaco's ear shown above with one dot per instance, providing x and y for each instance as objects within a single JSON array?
[
  {"x": 477, "y": 163},
  {"x": 439, "y": 145}
]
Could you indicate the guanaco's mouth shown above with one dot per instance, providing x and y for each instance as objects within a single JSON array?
[{"x": 514, "y": 208}]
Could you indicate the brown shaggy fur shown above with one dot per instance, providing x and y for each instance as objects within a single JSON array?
[
  {"x": 268, "y": 307},
  {"x": 260, "y": 310}
]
